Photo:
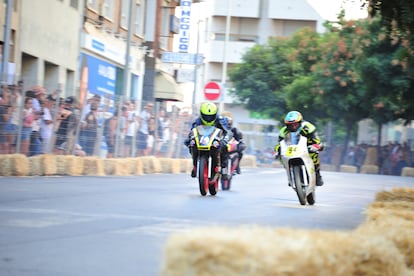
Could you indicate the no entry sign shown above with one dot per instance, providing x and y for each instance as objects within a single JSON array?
[{"x": 212, "y": 91}]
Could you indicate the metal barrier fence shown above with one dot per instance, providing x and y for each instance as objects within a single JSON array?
[{"x": 35, "y": 121}]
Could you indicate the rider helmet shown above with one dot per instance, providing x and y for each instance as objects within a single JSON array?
[
  {"x": 293, "y": 120},
  {"x": 208, "y": 113},
  {"x": 229, "y": 118}
]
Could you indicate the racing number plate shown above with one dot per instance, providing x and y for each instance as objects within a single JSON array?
[{"x": 292, "y": 150}]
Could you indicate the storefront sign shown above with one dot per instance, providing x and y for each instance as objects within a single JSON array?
[{"x": 185, "y": 18}]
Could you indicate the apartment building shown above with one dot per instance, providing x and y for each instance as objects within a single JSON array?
[
  {"x": 234, "y": 26},
  {"x": 80, "y": 47}
]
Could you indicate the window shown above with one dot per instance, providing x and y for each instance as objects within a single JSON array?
[
  {"x": 139, "y": 19},
  {"x": 74, "y": 4},
  {"x": 108, "y": 9},
  {"x": 125, "y": 13},
  {"x": 93, "y": 4}
]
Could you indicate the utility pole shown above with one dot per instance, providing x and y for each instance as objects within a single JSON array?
[
  {"x": 224, "y": 68},
  {"x": 6, "y": 45}
]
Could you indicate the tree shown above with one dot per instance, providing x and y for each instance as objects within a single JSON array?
[{"x": 384, "y": 78}]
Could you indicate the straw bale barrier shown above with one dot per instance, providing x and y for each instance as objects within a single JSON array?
[
  {"x": 369, "y": 169},
  {"x": 348, "y": 169},
  {"x": 5, "y": 165},
  {"x": 407, "y": 171},
  {"x": 169, "y": 165},
  {"x": 396, "y": 194},
  {"x": 116, "y": 166},
  {"x": 264, "y": 251},
  {"x": 186, "y": 165},
  {"x": 328, "y": 167},
  {"x": 134, "y": 165},
  {"x": 151, "y": 164},
  {"x": 371, "y": 157},
  {"x": 248, "y": 161},
  {"x": 93, "y": 166},
  {"x": 14, "y": 164},
  {"x": 69, "y": 165},
  {"x": 44, "y": 164}
]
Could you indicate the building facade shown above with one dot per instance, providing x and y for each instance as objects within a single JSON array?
[{"x": 79, "y": 47}]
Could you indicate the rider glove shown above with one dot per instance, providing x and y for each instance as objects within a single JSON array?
[{"x": 314, "y": 148}]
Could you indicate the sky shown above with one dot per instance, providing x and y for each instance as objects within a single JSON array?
[{"x": 329, "y": 9}]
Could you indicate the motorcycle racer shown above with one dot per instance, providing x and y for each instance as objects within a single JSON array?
[
  {"x": 209, "y": 117},
  {"x": 238, "y": 136},
  {"x": 293, "y": 123}
]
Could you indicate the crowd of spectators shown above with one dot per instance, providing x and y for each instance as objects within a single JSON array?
[
  {"x": 390, "y": 158},
  {"x": 36, "y": 122}
]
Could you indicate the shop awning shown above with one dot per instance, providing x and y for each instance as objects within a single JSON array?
[{"x": 165, "y": 88}]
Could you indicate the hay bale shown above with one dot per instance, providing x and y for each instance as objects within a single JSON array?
[
  {"x": 156, "y": 165},
  {"x": 328, "y": 167},
  {"x": 396, "y": 228},
  {"x": 165, "y": 164},
  {"x": 264, "y": 251},
  {"x": 35, "y": 165},
  {"x": 396, "y": 194},
  {"x": 93, "y": 165},
  {"x": 407, "y": 171},
  {"x": 186, "y": 165},
  {"x": 48, "y": 164},
  {"x": 69, "y": 165},
  {"x": 371, "y": 157},
  {"x": 175, "y": 166},
  {"x": 74, "y": 165},
  {"x": 146, "y": 164},
  {"x": 6, "y": 165},
  {"x": 19, "y": 165},
  {"x": 135, "y": 166},
  {"x": 369, "y": 169},
  {"x": 117, "y": 166},
  {"x": 248, "y": 161},
  {"x": 348, "y": 169},
  {"x": 392, "y": 205}
]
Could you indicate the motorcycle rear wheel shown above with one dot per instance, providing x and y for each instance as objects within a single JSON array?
[{"x": 297, "y": 178}]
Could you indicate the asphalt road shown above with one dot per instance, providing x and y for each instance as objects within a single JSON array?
[{"x": 107, "y": 226}]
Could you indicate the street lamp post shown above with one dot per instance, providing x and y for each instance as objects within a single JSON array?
[{"x": 224, "y": 67}]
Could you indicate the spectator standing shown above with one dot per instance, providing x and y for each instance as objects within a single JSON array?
[
  {"x": 142, "y": 135},
  {"x": 28, "y": 118},
  {"x": 46, "y": 124},
  {"x": 109, "y": 133},
  {"x": 132, "y": 127},
  {"x": 66, "y": 124},
  {"x": 151, "y": 137},
  {"x": 17, "y": 101},
  {"x": 89, "y": 127},
  {"x": 5, "y": 110}
]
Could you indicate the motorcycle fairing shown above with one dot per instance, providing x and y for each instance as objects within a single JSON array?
[{"x": 205, "y": 136}]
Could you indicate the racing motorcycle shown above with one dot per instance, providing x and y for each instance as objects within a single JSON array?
[
  {"x": 206, "y": 141},
  {"x": 299, "y": 167},
  {"x": 232, "y": 163}
]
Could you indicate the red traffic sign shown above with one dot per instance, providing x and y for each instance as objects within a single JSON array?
[{"x": 212, "y": 91}]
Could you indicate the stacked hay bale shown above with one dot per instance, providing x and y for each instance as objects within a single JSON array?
[
  {"x": 44, "y": 164},
  {"x": 117, "y": 166},
  {"x": 391, "y": 215},
  {"x": 383, "y": 245},
  {"x": 265, "y": 251},
  {"x": 14, "y": 164},
  {"x": 69, "y": 165},
  {"x": 93, "y": 166},
  {"x": 370, "y": 163}
]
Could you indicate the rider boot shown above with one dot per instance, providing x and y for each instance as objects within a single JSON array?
[
  {"x": 319, "y": 181},
  {"x": 194, "y": 170}
]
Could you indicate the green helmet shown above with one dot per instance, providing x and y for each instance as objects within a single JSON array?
[{"x": 208, "y": 113}]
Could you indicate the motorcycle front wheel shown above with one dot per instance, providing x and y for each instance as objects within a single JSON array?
[
  {"x": 297, "y": 178},
  {"x": 203, "y": 176}
]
